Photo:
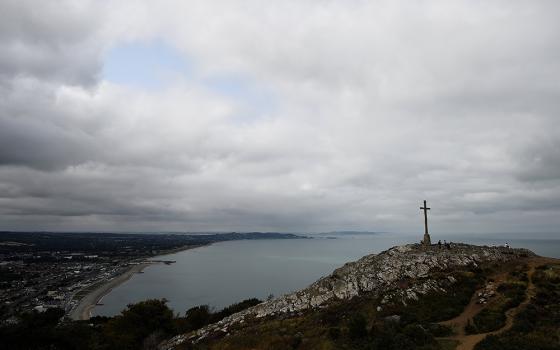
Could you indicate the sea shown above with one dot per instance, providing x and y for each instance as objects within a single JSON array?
[{"x": 224, "y": 273}]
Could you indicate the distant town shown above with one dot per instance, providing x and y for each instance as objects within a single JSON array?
[{"x": 42, "y": 270}]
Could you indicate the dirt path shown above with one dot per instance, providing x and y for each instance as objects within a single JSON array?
[
  {"x": 458, "y": 323},
  {"x": 468, "y": 342}
]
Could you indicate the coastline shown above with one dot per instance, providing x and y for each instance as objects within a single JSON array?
[
  {"x": 183, "y": 248},
  {"x": 85, "y": 306}
]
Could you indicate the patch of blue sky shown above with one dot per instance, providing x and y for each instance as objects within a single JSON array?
[
  {"x": 154, "y": 65},
  {"x": 147, "y": 65}
]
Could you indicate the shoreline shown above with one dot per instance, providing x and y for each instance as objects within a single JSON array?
[{"x": 85, "y": 306}]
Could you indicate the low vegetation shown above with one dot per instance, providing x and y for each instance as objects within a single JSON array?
[
  {"x": 365, "y": 322},
  {"x": 359, "y": 323},
  {"x": 140, "y": 326},
  {"x": 436, "y": 307},
  {"x": 493, "y": 317},
  {"x": 537, "y": 326}
]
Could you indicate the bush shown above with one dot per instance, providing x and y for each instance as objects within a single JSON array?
[
  {"x": 493, "y": 318},
  {"x": 417, "y": 334},
  {"x": 197, "y": 317},
  {"x": 234, "y": 308},
  {"x": 515, "y": 292},
  {"x": 138, "y": 321},
  {"x": 535, "y": 327},
  {"x": 486, "y": 321},
  {"x": 334, "y": 333},
  {"x": 33, "y": 331},
  {"x": 435, "y": 307},
  {"x": 200, "y": 316},
  {"x": 357, "y": 326},
  {"x": 518, "y": 342},
  {"x": 470, "y": 328},
  {"x": 438, "y": 330}
]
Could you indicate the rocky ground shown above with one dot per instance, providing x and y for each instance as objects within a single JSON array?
[{"x": 401, "y": 274}]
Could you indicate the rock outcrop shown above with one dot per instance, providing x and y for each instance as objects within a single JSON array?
[{"x": 376, "y": 273}]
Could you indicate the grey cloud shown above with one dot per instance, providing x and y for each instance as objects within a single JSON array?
[
  {"x": 377, "y": 106},
  {"x": 51, "y": 40},
  {"x": 540, "y": 161},
  {"x": 40, "y": 144}
]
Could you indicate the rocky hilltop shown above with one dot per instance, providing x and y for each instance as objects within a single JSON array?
[{"x": 401, "y": 273}]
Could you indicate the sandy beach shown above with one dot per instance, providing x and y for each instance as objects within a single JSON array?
[
  {"x": 85, "y": 306},
  {"x": 87, "y": 303}
]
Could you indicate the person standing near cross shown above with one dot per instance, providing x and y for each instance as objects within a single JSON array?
[{"x": 426, "y": 241}]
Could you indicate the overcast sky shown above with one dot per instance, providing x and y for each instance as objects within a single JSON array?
[{"x": 285, "y": 115}]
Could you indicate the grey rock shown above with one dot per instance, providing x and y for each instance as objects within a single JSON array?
[
  {"x": 377, "y": 274},
  {"x": 393, "y": 318}
]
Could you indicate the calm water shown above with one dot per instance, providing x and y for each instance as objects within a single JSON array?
[{"x": 228, "y": 272}]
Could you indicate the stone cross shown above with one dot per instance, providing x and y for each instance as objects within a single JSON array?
[{"x": 426, "y": 240}]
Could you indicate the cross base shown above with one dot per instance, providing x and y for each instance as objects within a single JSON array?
[{"x": 427, "y": 240}]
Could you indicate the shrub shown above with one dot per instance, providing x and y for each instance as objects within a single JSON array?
[
  {"x": 486, "y": 321},
  {"x": 198, "y": 316},
  {"x": 438, "y": 330},
  {"x": 357, "y": 326},
  {"x": 437, "y": 306},
  {"x": 234, "y": 308},
  {"x": 417, "y": 334},
  {"x": 470, "y": 328},
  {"x": 334, "y": 332},
  {"x": 138, "y": 321},
  {"x": 493, "y": 318}
]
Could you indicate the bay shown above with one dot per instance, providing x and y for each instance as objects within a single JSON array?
[{"x": 227, "y": 272}]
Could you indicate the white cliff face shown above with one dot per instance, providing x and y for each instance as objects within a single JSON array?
[{"x": 375, "y": 274}]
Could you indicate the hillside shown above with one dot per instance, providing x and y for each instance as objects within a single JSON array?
[{"x": 407, "y": 297}]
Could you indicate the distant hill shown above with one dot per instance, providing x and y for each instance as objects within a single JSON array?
[
  {"x": 252, "y": 235},
  {"x": 94, "y": 242},
  {"x": 350, "y": 233}
]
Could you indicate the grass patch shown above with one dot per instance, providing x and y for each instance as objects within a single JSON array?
[
  {"x": 448, "y": 344},
  {"x": 438, "y": 306},
  {"x": 493, "y": 317},
  {"x": 356, "y": 323},
  {"x": 536, "y": 327},
  {"x": 439, "y": 330}
]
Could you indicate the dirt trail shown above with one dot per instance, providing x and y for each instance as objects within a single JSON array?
[
  {"x": 468, "y": 342},
  {"x": 458, "y": 323}
]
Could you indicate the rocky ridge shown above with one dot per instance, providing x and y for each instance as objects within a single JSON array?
[{"x": 379, "y": 274}]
